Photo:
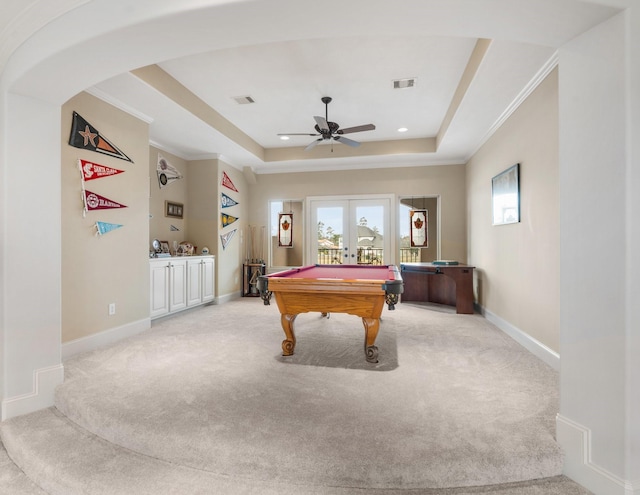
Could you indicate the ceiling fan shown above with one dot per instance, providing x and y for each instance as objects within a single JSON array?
[{"x": 330, "y": 130}]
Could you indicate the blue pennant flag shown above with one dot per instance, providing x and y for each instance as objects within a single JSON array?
[
  {"x": 105, "y": 228},
  {"x": 226, "y": 201}
]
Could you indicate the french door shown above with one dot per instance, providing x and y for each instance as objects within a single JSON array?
[{"x": 350, "y": 231}]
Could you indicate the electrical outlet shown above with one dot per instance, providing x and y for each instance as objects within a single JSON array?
[{"x": 112, "y": 309}]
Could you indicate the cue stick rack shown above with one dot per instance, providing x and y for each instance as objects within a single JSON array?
[{"x": 251, "y": 270}]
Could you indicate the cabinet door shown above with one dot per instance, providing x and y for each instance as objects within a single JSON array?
[
  {"x": 159, "y": 274},
  {"x": 178, "y": 285},
  {"x": 194, "y": 282},
  {"x": 208, "y": 279}
]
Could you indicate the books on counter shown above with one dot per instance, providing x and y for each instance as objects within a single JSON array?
[{"x": 445, "y": 262}]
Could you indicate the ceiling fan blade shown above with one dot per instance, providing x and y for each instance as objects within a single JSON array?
[
  {"x": 313, "y": 144},
  {"x": 358, "y": 128},
  {"x": 347, "y": 141},
  {"x": 296, "y": 134},
  {"x": 322, "y": 123}
]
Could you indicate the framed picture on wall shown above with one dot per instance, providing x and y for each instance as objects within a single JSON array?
[
  {"x": 173, "y": 209},
  {"x": 505, "y": 196}
]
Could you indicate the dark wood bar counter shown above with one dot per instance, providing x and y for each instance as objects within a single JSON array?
[{"x": 442, "y": 284}]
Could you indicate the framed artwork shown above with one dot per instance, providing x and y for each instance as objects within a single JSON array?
[
  {"x": 164, "y": 247},
  {"x": 418, "y": 233},
  {"x": 285, "y": 228},
  {"x": 505, "y": 196},
  {"x": 173, "y": 209}
]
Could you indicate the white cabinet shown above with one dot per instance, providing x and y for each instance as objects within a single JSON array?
[
  {"x": 180, "y": 282},
  {"x": 208, "y": 279},
  {"x": 194, "y": 288},
  {"x": 200, "y": 287},
  {"x": 177, "y": 284},
  {"x": 159, "y": 271}
]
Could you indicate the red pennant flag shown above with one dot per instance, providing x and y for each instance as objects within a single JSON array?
[
  {"x": 226, "y": 182},
  {"x": 93, "y": 201},
  {"x": 84, "y": 135},
  {"x": 91, "y": 170}
]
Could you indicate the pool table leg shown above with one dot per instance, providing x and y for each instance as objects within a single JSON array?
[
  {"x": 371, "y": 327},
  {"x": 290, "y": 342}
]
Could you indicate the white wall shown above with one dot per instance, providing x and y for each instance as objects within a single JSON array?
[
  {"x": 599, "y": 417},
  {"x": 633, "y": 243},
  {"x": 31, "y": 323}
]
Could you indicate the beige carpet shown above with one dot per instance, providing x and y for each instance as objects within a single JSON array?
[{"x": 452, "y": 403}]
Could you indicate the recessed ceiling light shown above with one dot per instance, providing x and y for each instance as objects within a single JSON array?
[
  {"x": 403, "y": 129},
  {"x": 284, "y": 138}
]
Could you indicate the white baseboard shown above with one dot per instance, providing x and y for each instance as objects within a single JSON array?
[
  {"x": 45, "y": 381},
  {"x": 228, "y": 297},
  {"x": 575, "y": 441},
  {"x": 110, "y": 336},
  {"x": 534, "y": 346}
]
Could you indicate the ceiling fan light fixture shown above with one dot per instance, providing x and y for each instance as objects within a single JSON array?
[
  {"x": 404, "y": 83},
  {"x": 403, "y": 129},
  {"x": 284, "y": 138},
  {"x": 326, "y": 130}
]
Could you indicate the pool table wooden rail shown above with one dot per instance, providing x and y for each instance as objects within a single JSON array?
[{"x": 356, "y": 296}]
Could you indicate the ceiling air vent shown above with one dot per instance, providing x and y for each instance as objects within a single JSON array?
[
  {"x": 404, "y": 83},
  {"x": 243, "y": 100}
]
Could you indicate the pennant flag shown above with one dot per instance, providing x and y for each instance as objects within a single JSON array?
[
  {"x": 173, "y": 228},
  {"x": 93, "y": 201},
  {"x": 226, "y": 182},
  {"x": 85, "y": 136},
  {"x": 105, "y": 228},
  {"x": 167, "y": 173},
  {"x": 227, "y": 219},
  {"x": 91, "y": 171},
  {"x": 225, "y": 238},
  {"x": 226, "y": 201}
]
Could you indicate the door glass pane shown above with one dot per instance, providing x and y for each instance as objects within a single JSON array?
[
  {"x": 370, "y": 232},
  {"x": 330, "y": 235}
]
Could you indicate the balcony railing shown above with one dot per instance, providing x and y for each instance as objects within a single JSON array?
[{"x": 372, "y": 256}]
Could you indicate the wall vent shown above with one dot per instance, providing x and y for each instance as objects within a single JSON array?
[
  {"x": 243, "y": 100},
  {"x": 404, "y": 83}
]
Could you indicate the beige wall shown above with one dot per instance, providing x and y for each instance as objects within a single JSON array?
[
  {"x": 446, "y": 181},
  {"x": 113, "y": 268},
  {"x": 176, "y": 192},
  {"x": 283, "y": 257},
  {"x": 518, "y": 264},
  {"x": 232, "y": 257},
  {"x": 205, "y": 224},
  {"x": 200, "y": 205}
]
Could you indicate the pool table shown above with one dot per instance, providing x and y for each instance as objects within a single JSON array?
[{"x": 359, "y": 290}]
